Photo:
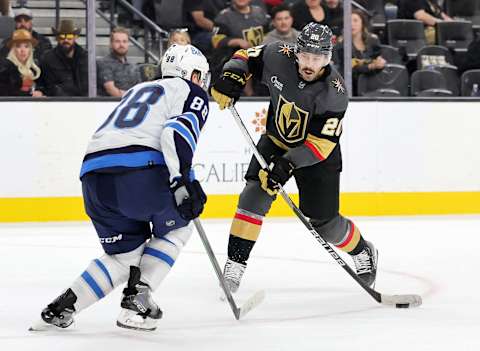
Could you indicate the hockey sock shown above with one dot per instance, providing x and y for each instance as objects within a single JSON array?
[
  {"x": 239, "y": 249},
  {"x": 352, "y": 242},
  {"x": 244, "y": 233},
  {"x": 160, "y": 254},
  {"x": 102, "y": 276}
]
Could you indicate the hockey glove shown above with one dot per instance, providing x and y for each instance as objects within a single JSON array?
[
  {"x": 278, "y": 173},
  {"x": 189, "y": 197},
  {"x": 226, "y": 91}
]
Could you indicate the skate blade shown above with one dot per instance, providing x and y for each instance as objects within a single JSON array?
[
  {"x": 41, "y": 326},
  {"x": 131, "y": 320},
  {"x": 135, "y": 327}
]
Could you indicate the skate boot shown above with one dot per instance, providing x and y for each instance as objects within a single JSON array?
[
  {"x": 366, "y": 264},
  {"x": 60, "y": 312},
  {"x": 139, "y": 311},
  {"x": 233, "y": 273}
]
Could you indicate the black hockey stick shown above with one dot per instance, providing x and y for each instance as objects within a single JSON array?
[
  {"x": 251, "y": 303},
  {"x": 399, "y": 301}
]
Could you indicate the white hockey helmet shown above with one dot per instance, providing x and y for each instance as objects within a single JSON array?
[{"x": 183, "y": 60}]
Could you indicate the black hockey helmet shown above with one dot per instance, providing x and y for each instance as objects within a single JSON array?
[{"x": 316, "y": 39}]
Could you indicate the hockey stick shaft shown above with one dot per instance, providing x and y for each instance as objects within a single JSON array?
[
  {"x": 251, "y": 303},
  {"x": 216, "y": 268},
  {"x": 376, "y": 295}
]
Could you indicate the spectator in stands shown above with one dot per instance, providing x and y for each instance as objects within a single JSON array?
[
  {"x": 282, "y": 22},
  {"x": 199, "y": 25},
  {"x": 335, "y": 16},
  {"x": 366, "y": 58},
  {"x": 24, "y": 20},
  {"x": 115, "y": 74},
  {"x": 65, "y": 68},
  {"x": 427, "y": 11},
  {"x": 306, "y": 11},
  {"x": 240, "y": 26},
  {"x": 19, "y": 73},
  {"x": 180, "y": 37}
]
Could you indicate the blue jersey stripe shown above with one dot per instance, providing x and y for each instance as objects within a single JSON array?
[
  {"x": 133, "y": 159},
  {"x": 159, "y": 254},
  {"x": 194, "y": 120},
  {"x": 184, "y": 132},
  {"x": 104, "y": 270},
  {"x": 93, "y": 284}
]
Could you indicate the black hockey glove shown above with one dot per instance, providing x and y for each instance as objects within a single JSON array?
[
  {"x": 278, "y": 173},
  {"x": 227, "y": 89},
  {"x": 190, "y": 198}
]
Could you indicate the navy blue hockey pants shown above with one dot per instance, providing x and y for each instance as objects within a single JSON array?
[{"x": 123, "y": 206}]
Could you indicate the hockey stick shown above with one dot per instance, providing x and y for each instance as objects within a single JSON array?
[
  {"x": 251, "y": 303},
  {"x": 398, "y": 301}
]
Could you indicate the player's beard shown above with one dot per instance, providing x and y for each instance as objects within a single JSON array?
[{"x": 308, "y": 74}]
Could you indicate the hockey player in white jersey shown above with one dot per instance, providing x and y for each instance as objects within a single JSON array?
[{"x": 139, "y": 191}]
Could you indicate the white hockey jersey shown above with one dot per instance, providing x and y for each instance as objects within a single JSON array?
[{"x": 156, "y": 122}]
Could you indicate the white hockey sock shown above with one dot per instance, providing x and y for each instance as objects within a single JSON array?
[
  {"x": 102, "y": 276},
  {"x": 160, "y": 255}
]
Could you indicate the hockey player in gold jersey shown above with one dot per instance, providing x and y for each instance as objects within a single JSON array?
[{"x": 307, "y": 104}]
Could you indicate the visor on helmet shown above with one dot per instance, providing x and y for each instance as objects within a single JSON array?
[{"x": 314, "y": 60}]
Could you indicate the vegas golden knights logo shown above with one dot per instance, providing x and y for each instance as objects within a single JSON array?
[
  {"x": 291, "y": 121},
  {"x": 254, "y": 35}
]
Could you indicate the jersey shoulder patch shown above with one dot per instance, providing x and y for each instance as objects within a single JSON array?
[
  {"x": 278, "y": 52},
  {"x": 337, "y": 92},
  {"x": 284, "y": 49}
]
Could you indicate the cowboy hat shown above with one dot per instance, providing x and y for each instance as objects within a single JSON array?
[
  {"x": 21, "y": 35},
  {"x": 66, "y": 27}
]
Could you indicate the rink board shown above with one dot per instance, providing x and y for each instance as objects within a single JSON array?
[{"x": 400, "y": 158}]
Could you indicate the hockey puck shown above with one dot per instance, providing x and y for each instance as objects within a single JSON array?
[{"x": 402, "y": 305}]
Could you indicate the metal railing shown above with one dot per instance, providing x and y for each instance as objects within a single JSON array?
[
  {"x": 112, "y": 21},
  {"x": 148, "y": 25},
  {"x": 92, "y": 11},
  {"x": 148, "y": 53}
]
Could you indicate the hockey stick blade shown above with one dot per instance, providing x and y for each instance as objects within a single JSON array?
[
  {"x": 251, "y": 303},
  {"x": 401, "y": 301}
]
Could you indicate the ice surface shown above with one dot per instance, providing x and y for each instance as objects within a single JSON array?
[{"x": 311, "y": 303}]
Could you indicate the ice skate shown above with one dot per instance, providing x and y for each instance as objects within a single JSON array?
[
  {"x": 59, "y": 313},
  {"x": 366, "y": 264},
  {"x": 233, "y": 273},
  {"x": 139, "y": 311}
]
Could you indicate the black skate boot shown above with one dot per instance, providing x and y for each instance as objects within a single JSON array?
[
  {"x": 139, "y": 311},
  {"x": 60, "y": 312},
  {"x": 366, "y": 264},
  {"x": 233, "y": 273}
]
